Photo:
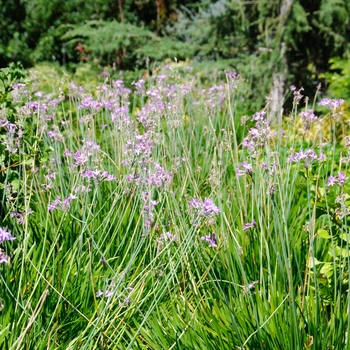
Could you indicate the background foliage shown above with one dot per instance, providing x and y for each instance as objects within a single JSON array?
[
  {"x": 103, "y": 255},
  {"x": 287, "y": 40}
]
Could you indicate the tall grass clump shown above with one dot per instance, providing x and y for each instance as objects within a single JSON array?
[{"x": 162, "y": 217}]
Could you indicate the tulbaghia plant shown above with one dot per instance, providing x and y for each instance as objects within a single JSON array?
[{"x": 150, "y": 217}]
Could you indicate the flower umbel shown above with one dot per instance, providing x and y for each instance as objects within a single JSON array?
[
  {"x": 249, "y": 225},
  {"x": 306, "y": 157},
  {"x": 205, "y": 208},
  {"x": 337, "y": 180},
  {"x": 211, "y": 239},
  {"x": 5, "y": 235}
]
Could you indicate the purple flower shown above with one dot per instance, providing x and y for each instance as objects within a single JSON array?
[
  {"x": 211, "y": 239},
  {"x": 331, "y": 104},
  {"x": 105, "y": 176},
  {"x": 20, "y": 216},
  {"x": 240, "y": 172},
  {"x": 18, "y": 86},
  {"x": 89, "y": 174},
  {"x": 233, "y": 79},
  {"x": 247, "y": 169},
  {"x": 195, "y": 203},
  {"x": 249, "y": 225},
  {"x": 4, "y": 259},
  {"x": 142, "y": 146},
  {"x": 337, "y": 180},
  {"x": 231, "y": 75},
  {"x": 259, "y": 116},
  {"x": 297, "y": 94},
  {"x": 65, "y": 205},
  {"x": 159, "y": 177},
  {"x": 125, "y": 303},
  {"x": 140, "y": 88},
  {"x": 91, "y": 104},
  {"x": 306, "y": 157},
  {"x": 90, "y": 147},
  {"x": 99, "y": 293},
  {"x": 249, "y": 287},
  {"x": 55, "y": 204},
  {"x": 58, "y": 204},
  {"x": 80, "y": 158},
  {"x": 259, "y": 135},
  {"x": 168, "y": 237},
  {"x": 5, "y": 235},
  {"x": 98, "y": 175},
  {"x": 67, "y": 153},
  {"x": 341, "y": 178},
  {"x": 108, "y": 293},
  {"x": 120, "y": 116},
  {"x": 206, "y": 208},
  {"x": 332, "y": 180},
  {"x": 55, "y": 134},
  {"x": 104, "y": 73},
  {"x": 252, "y": 284},
  {"x": 210, "y": 208},
  {"x": 308, "y": 117}
]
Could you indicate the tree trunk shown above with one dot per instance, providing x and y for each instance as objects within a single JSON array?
[{"x": 121, "y": 12}]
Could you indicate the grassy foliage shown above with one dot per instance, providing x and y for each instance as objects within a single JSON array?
[{"x": 165, "y": 218}]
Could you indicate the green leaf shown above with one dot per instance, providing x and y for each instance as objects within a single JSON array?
[
  {"x": 345, "y": 237},
  {"x": 313, "y": 262},
  {"x": 323, "y": 234}
]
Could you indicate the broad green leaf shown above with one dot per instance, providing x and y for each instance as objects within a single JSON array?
[{"x": 323, "y": 234}]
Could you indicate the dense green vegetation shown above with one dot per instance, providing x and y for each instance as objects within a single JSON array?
[
  {"x": 166, "y": 218},
  {"x": 291, "y": 41},
  {"x": 154, "y": 198}
]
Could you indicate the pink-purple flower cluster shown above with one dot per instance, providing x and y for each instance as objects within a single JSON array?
[
  {"x": 159, "y": 177},
  {"x": 211, "y": 239},
  {"x": 337, "y": 180},
  {"x": 63, "y": 205},
  {"x": 204, "y": 208},
  {"x": 246, "y": 169},
  {"x": 233, "y": 79},
  {"x": 98, "y": 175},
  {"x": 249, "y": 225},
  {"x": 90, "y": 104},
  {"x": 332, "y": 104},
  {"x": 5, "y": 235},
  {"x": 55, "y": 134},
  {"x": 139, "y": 148},
  {"x": 306, "y": 157},
  {"x": 297, "y": 94},
  {"x": 168, "y": 237},
  {"x": 259, "y": 136},
  {"x": 308, "y": 118},
  {"x": 19, "y": 92},
  {"x": 20, "y": 216},
  {"x": 12, "y": 137},
  {"x": 140, "y": 86},
  {"x": 111, "y": 290},
  {"x": 148, "y": 209},
  {"x": 81, "y": 156},
  {"x": 214, "y": 97}
]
